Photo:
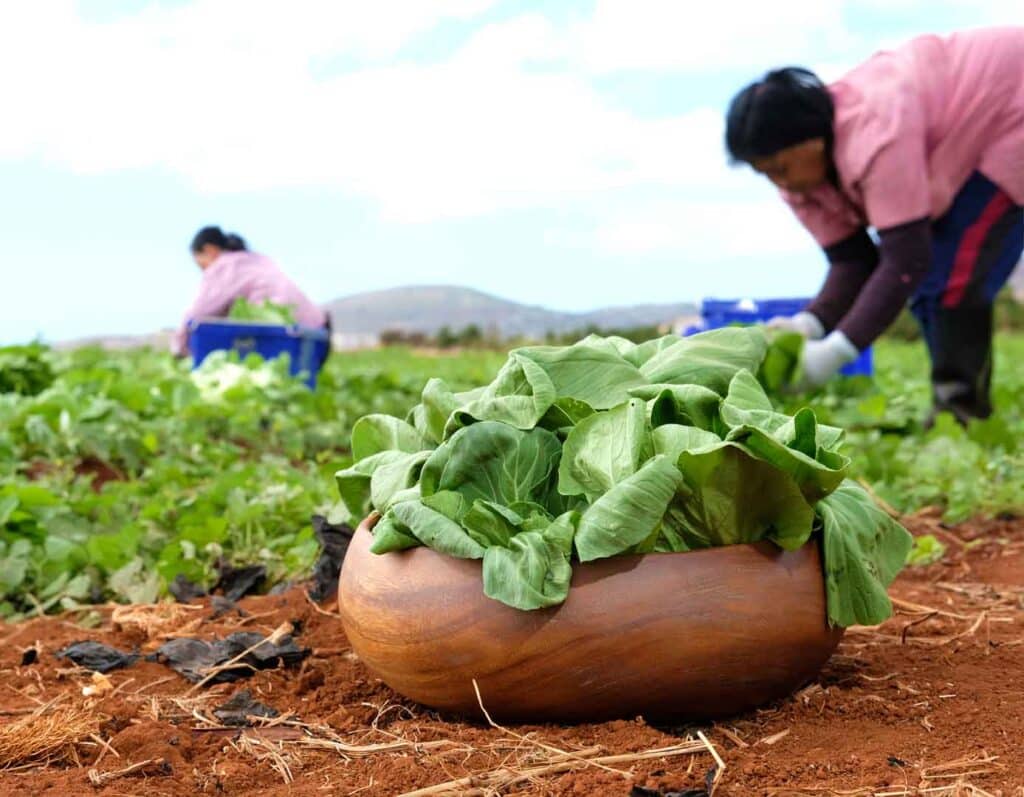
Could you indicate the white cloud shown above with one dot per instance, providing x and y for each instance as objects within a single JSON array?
[
  {"x": 672, "y": 35},
  {"x": 706, "y": 231},
  {"x": 1000, "y": 12},
  {"x": 229, "y": 101},
  {"x": 80, "y": 90},
  {"x": 243, "y": 95},
  {"x": 668, "y": 35}
]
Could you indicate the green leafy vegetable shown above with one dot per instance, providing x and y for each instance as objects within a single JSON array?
[
  {"x": 710, "y": 359},
  {"x": 494, "y": 462},
  {"x": 375, "y": 433},
  {"x": 666, "y": 446},
  {"x": 864, "y": 550},
  {"x": 265, "y": 312},
  {"x": 532, "y": 571},
  {"x": 434, "y": 529},
  {"x": 603, "y": 449},
  {"x": 734, "y": 497},
  {"x": 629, "y": 512}
]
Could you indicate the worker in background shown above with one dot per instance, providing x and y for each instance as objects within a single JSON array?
[
  {"x": 230, "y": 272},
  {"x": 909, "y": 172}
]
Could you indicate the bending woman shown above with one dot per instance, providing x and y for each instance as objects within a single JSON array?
[
  {"x": 230, "y": 272},
  {"x": 909, "y": 172}
]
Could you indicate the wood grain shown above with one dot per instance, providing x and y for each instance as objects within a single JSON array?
[{"x": 692, "y": 635}]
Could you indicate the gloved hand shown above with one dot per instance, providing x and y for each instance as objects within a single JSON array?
[
  {"x": 821, "y": 359},
  {"x": 803, "y": 323}
]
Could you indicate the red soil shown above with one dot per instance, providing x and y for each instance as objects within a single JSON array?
[{"x": 931, "y": 703}]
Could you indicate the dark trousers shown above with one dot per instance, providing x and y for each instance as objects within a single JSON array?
[
  {"x": 975, "y": 247},
  {"x": 329, "y": 329}
]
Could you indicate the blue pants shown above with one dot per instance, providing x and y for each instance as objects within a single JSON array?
[{"x": 975, "y": 248}]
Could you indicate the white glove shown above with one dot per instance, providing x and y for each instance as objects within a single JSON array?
[
  {"x": 823, "y": 358},
  {"x": 803, "y": 323}
]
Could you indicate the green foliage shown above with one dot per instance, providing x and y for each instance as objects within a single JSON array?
[
  {"x": 25, "y": 370},
  {"x": 972, "y": 471},
  {"x": 927, "y": 550},
  {"x": 129, "y": 469},
  {"x": 265, "y": 312},
  {"x": 121, "y": 470}
]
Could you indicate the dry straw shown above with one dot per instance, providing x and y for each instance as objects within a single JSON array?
[{"x": 47, "y": 736}]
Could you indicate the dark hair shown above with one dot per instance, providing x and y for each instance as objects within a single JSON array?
[
  {"x": 786, "y": 107},
  {"x": 229, "y": 242}
]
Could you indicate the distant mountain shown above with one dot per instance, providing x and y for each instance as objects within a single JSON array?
[
  {"x": 359, "y": 319},
  {"x": 427, "y": 308},
  {"x": 157, "y": 340}
]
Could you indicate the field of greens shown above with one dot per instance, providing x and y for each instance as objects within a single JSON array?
[{"x": 121, "y": 470}]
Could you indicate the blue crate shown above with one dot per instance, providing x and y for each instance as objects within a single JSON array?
[
  {"x": 307, "y": 348},
  {"x": 723, "y": 312}
]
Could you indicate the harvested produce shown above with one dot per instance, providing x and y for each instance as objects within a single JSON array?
[
  {"x": 607, "y": 447},
  {"x": 265, "y": 312}
]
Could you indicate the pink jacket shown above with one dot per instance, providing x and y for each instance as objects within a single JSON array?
[
  {"x": 912, "y": 125},
  {"x": 244, "y": 274}
]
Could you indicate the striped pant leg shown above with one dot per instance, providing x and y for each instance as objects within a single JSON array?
[{"x": 976, "y": 246}]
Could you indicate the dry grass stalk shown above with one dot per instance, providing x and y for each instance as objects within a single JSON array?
[
  {"x": 383, "y": 709},
  {"x": 151, "y": 684},
  {"x": 980, "y": 592},
  {"x": 540, "y": 759},
  {"x": 912, "y": 623},
  {"x": 542, "y": 745},
  {"x": 734, "y": 737},
  {"x": 985, "y": 616},
  {"x": 275, "y": 638},
  {"x": 177, "y": 708},
  {"x": 363, "y": 750},
  {"x": 956, "y": 768},
  {"x": 719, "y": 763},
  {"x": 318, "y": 609},
  {"x": 917, "y": 608},
  {"x": 775, "y": 737},
  {"x": 962, "y": 789},
  {"x": 157, "y": 619},
  {"x": 960, "y": 769},
  {"x": 97, "y": 778},
  {"x": 810, "y": 791},
  {"x": 106, "y": 748},
  {"x": 495, "y": 781},
  {"x": 264, "y": 750},
  {"x": 48, "y": 735}
]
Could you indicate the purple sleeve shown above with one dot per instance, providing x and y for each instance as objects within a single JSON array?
[
  {"x": 214, "y": 298},
  {"x": 905, "y": 258},
  {"x": 851, "y": 263}
]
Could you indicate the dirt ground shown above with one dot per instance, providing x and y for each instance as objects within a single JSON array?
[{"x": 931, "y": 703}]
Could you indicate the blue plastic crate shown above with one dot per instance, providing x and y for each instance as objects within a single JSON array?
[
  {"x": 723, "y": 312},
  {"x": 307, "y": 348}
]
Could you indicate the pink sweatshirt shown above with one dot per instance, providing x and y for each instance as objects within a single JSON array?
[
  {"x": 912, "y": 124},
  {"x": 234, "y": 275}
]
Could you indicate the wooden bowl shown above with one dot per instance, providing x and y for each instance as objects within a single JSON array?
[{"x": 688, "y": 636}]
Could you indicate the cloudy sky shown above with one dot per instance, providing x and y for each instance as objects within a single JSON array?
[{"x": 565, "y": 153}]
